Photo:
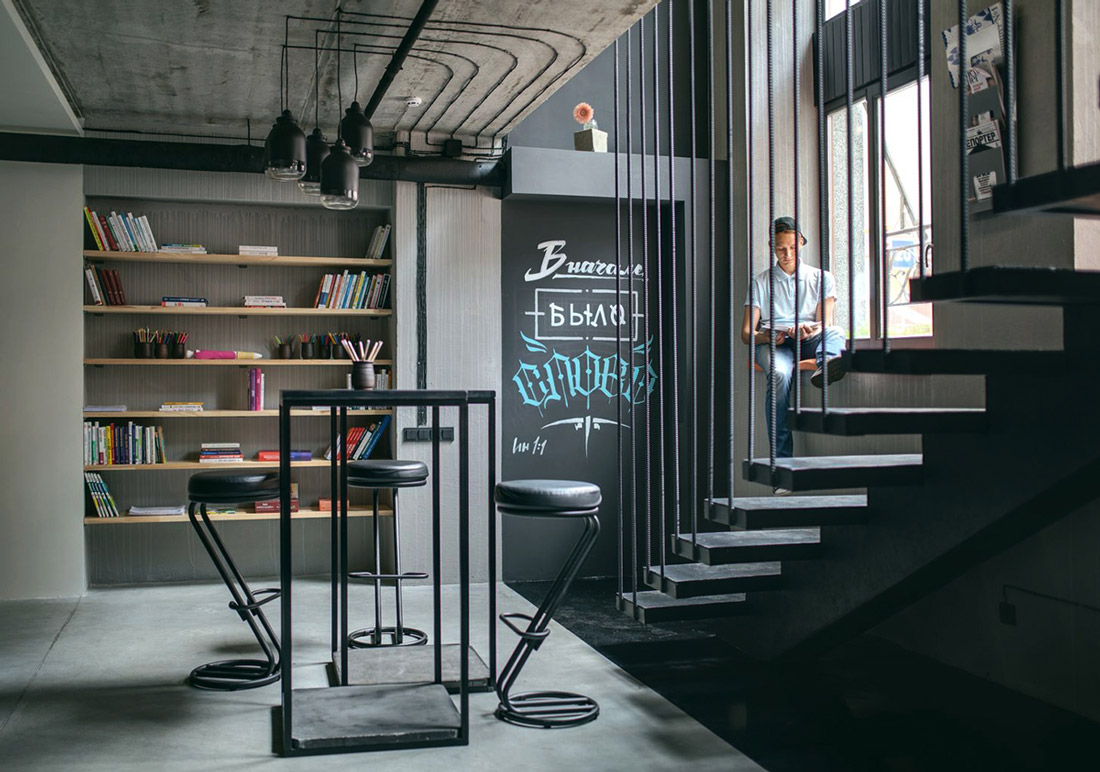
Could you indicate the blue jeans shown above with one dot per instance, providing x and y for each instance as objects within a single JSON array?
[{"x": 830, "y": 344}]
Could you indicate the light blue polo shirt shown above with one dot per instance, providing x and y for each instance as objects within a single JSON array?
[{"x": 809, "y": 287}]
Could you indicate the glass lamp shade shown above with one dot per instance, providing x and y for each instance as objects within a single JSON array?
[
  {"x": 358, "y": 133},
  {"x": 285, "y": 150},
  {"x": 339, "y": 179},
  {"x": 316, "y": 153}
]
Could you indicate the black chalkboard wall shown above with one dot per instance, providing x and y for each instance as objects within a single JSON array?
[{"x": 561, "y": 381}]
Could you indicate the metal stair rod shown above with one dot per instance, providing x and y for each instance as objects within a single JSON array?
[
  {"x": 731, "y": 408},
  {"x": 647, "y": 479},
  {"x": 964, "y": 156},
  {"x": 712, "y": 264},
  {"x": 750, "y": 232},
  {"x": 796, "y": 76},
  {"x": 661, "y": 495},
  {"x": 632, "y": 466},
  {"x": 618, "y": 327},
  {"x": 773, "y": 417},
  {"x": 1010, "y": 87},
  {"x": 920, "y": 135},
  {"x": 822, "y": 189},
  {"x": 676, "y": 487},
  {"x": 693, "y": 276},
  {"x": 883, "y": 90},
  {"x": 849, "y": 88}
]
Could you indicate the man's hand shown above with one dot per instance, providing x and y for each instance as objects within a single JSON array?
[
  {"x": 808, "y": 329},
  {"x": 764, "y": 336}
]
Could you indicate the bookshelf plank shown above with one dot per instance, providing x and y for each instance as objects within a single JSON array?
[
  {"x": 197, "y": 465},
  {"x": 237, "y": 311},
  {"x": 295, "y": 261},
  {"x": 223, "y": 413},
  {"x": 304, "y": 514},
  {"x": 131, "y": 361}
]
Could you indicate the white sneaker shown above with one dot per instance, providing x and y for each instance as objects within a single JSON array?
[{"x": 781, "y": 492}]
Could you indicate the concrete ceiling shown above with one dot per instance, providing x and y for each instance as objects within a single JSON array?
[{"x": 211, "y": 67}]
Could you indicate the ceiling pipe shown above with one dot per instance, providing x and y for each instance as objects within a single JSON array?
[
  {"x": 398, "y": 58},
  {"x": 96, "y": 151}
]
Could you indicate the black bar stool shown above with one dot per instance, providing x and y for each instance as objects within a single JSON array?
[
  {"x": 235, "y": 488},
  {"x": 378, "y": 474},
  {"x": 565, "y": 499}
]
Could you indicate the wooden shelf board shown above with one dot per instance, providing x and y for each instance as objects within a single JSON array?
[
  {"x": 304, "y": 514},
  {"x": 225, "y": 413},
  {"x": 237, "y": 311},
  {"x": 131, "y": 361},
  {"x": 289, "y": 261},
  {"x": 197, "y": 465}
]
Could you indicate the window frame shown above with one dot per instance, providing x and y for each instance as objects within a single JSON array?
[{"x": 873, "y": 96}]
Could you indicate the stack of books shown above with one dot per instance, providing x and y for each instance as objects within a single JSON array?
[
  {"x": 181, "y": 407},
  {"x": 220, "y": 453},
  {"x": 254, "y": 250},
  {"x": 182, "y": 301},
  {"x": 361, "y": 440},
  {"x": 120, "y": 232},
  {"x": 255, "y": 388},
  {"x": 352, "y": 291},
  {"x": 129, "y": 443},
  {"x": 103, "y": 503},
  {"x": 177, "y": 509},
  {"x": 273, "y": 505},
  {"x": 183, "y": 249},
  {"x": 263, "y": 301},
  {"x": 378, "y": 242}
]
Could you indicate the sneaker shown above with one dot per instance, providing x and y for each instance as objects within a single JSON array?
[
  {"x": 781, "y": 492},
  {"x": 838, "y": 368}
]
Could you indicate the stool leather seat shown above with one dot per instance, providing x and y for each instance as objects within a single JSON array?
[
  {"x": 387, "y": 473},
  {"x": 232, "y": 487},
  {"x": 542, "y": 498}
]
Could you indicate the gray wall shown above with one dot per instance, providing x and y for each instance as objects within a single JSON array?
[
  {"x": 463, "y": 352},
  {"x": 41, "y": 535}
]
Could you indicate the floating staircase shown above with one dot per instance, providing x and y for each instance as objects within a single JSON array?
[{"x": 774, "y": 550}]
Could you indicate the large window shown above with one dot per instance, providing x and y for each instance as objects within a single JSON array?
[{"x": 894, "y": 172}]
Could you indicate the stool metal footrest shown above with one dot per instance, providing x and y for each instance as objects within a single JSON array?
[
  {"x": 367, "y": 639},
  {"x": 548, "y": 710},
  {"x": 535, "y": 637},
  {"x": 234, "y": 675},
  {"x": 271, "y": 594}
]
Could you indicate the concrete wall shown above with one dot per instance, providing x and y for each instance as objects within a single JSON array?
[
  {"x": 41, "y": 534},
  {"x": 463, "y": 352}
]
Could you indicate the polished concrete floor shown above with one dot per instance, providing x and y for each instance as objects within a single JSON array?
[{"x": 98, "y": 684}]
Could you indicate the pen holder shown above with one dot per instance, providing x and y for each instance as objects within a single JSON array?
[
  {"x": 283, "y": 351},
  {"x": 179, "y": 351},
  {"x": 362, "y": 375},
  {"x": 325, "y": 350},
  {"x": 143, "y": 350},
  {"x": 306, "y": 350},
  {"x": 338, "y": 351},
  {"x": 160, "y": 351}
]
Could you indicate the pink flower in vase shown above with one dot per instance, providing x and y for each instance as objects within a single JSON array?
[{"x": 584, "y": 115}]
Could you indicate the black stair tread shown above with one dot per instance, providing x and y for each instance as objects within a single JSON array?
[
  {"x": 889, "y": 420},
  {"x": 654, "y": 606},
  {"x": 681, "y": 573},
  {"x": 1075, "y": 190},
  {"x": 1026, "y": 285},
  {"x": 959, "y": 361},
  {"x": 822, "y": 472},
  {"x": 770, "y": 537},
  {"x": 788, "y": 511},
  {"x": 770, "y": 503}
]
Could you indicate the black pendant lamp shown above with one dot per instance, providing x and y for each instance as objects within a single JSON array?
[
  {"x": 316, "y": 152},
  {"x": 339, "y": 179},
  {"x": 285, "y": 150},
  {"x": 358, "y": 134}
]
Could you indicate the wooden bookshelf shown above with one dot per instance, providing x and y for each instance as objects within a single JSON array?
[
  {"x": 132, "y": 361},
  {"x": 196, "y": 414},
  {"x": 303, "y": 514},
  {"x": 280, "y": 261},
  {"x": 237, "y": 311}
]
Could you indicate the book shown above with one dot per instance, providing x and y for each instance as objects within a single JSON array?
[
  {"x": 257, "y": 250},
  {"x": 93, "y": 285},
  {"x": 92, "y": 226},
  {"x": 180, "y": 509},
  {"x": 221, "y": 459},
  {"x": 295, "y": 455},
  {"x": 105, "y": 232},
  {"x": 104, "y": 408},
  {"x": 377, "y": 243},
  {"x": 376, "y": 435},
  {"x": 274, "y": 506},
  {"x": 103, "y": 502}
]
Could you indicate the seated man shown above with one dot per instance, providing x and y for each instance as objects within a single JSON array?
[{"x": 812, "y": 283}]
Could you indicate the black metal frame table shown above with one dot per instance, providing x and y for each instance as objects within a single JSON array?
[{"x": 345, "y": 719}]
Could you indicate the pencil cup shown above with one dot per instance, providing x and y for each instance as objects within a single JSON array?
[
  {"x": 325, "y": 350},
  {"x": 338, "y": 351},
  {"x": 143, "y": 350},
  {"x": 362, "y": 375},
  {"x": 307, "y": 350},
  {"x": 284, "y": 351},
  {"x": 179, "y": 351},
  {"x": 160, "y": 351}
]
